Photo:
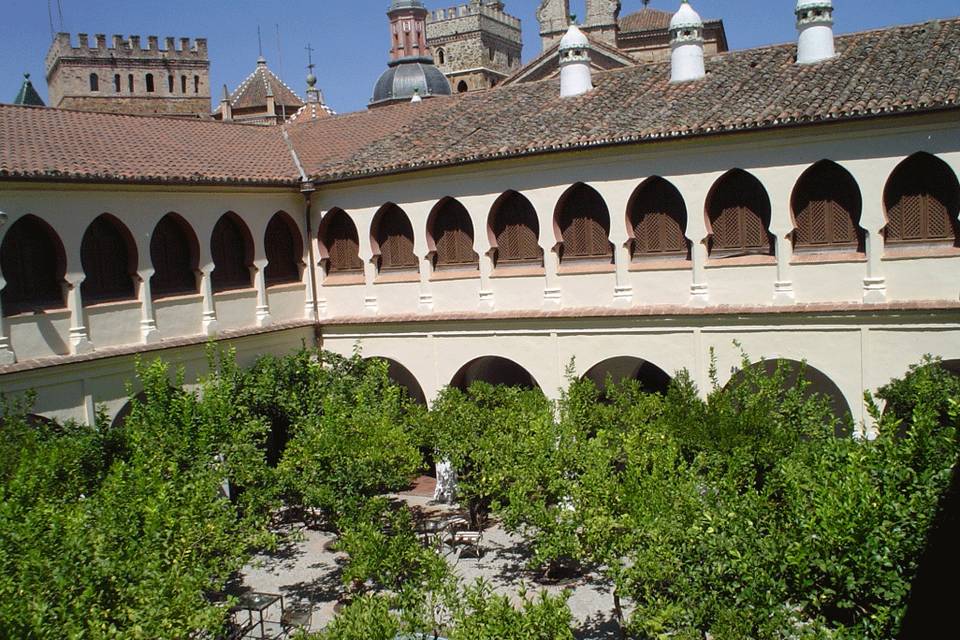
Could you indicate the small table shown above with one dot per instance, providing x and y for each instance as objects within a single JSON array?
[
  {"x": 430, "y": 531},
  {"x": 257, "y": 602}
]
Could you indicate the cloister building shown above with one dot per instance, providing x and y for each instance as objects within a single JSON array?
[{"x": 807, "y": 211}]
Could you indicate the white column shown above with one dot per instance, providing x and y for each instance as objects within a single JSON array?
[
  {"x": 148, "y": 317},
  {"x": 783, "y": 287},
  {"x": 7, "y": 355},
  {"x": 310, "y": 310},
  {"x": 426, "y": 288},
  {"x": 79, "y": 341},
  {"x": 699, "y": 290},
  {"x": 209, "y": 323},
  {"x": 622, "y": 289},
  {"x": 874, "y": 284},
  {"x": 551, "y": 291},
  {"x": 263, "y": 302},
  {"x": 486, "y": 270},
  {"x": 617, "y": 200}
]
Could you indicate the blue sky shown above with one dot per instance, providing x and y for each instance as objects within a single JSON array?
[{"x": 350, "y": 38}]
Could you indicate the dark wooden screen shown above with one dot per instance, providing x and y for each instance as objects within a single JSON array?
[
  {"x": 31, "y": 258},
  {"x": 826, "y": 209},
  {"x": 342, "y": 243},
  {"x": 584, "y": 225},
  {"x": 739, "y": 216},
  {"x": 517, "y": 231},
  {"x": 659, "y": 218},
  {"x": 108, "y": 260},
  {"x": 452, "y": 234},
  {"x": 232, "y": 256},
  {"x": 173, "y": 256},
  {"x": 394, "y": 237},
  {"x": 284, "y": 248},
  {"x": 922, "y": 202}
]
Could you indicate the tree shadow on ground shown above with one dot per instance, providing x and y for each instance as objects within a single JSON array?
[
  {"x": 327, "y": 587},
  {"x": 598, "y": 627},
  {"x": 513, "y": 563}
]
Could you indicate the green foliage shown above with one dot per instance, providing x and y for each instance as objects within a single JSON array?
[{"x": 481, "y": 614}]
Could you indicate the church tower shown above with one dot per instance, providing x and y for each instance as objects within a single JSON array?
[{"x": 476, "y": 44}]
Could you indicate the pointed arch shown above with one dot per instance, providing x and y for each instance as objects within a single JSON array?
[
  {"x": 493, "y": 370},
  {"x": 514, "y": 231},
  {"x": 34, "y": 264},
  {"x": 108, "y": 255},
  {"x": 339, "y": 243},
  {"x": 738, "y": 216},
  {"x": 657, "y": 221},
  {"x": 922, "y": 198},
  {"x": 582, "y": 225},
  {"x": 231, "y": 246},
  {"x": 283, "y": 246},
  {"x": 450, "y": 236},
  {"x": 826, "y": 206},
  {"x": 391, "y": 236},
  {"x": 175, "y": 254}
]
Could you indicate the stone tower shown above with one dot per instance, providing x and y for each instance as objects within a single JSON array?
[
  {"x": 129, "y": 78},
  {"x": 476, "y": 45},
  {"x": 554, "y": 18}
]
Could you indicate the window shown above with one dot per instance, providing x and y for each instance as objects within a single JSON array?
[
  {"x": 149, "y": 82},
  {"x": 658, "y": 219},
  {"x": 451, "y": 233},
  {"x": 109, "y": 258},
  {"x": 826, "y": 209},
  {"x": 130, "y": 83},
  {"x": 183, "y": 84},
  {"x": 392, "y": 238},
  {"x": 232, "y": 250},
  {"x": 513, "y": 222},
  {"x": 284, "y": 248},
  {"x": 441, "y": 57},
  {"x": 340, "y": 243},
  {"x": 94, "y": 82},
  {"x": 196, "y": 84},
  {"x": 33, "y": 263},
  {"x": 739, "y": 216},
  {"x": 174, "y": 254},
  {"x": 584, "y": 224},
  {"x": 922, "y": 198},
  {"x": 116, "y": 83},
  {"x": 461, "y": 87}
]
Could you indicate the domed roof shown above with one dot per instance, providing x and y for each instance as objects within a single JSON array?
[
  {"x": 685, "y": 17},
  {"x": 574, "y": 39},
  {"x": 407, "y": 76}
]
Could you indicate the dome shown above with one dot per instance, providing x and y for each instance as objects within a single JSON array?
[
  {"x": 407, "y": 76},
  {"x": 686, "y": 18},
  {"x": 574, "y": 39}
]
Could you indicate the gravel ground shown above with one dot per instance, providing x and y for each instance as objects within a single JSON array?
[{"x": 306, "y": 572}]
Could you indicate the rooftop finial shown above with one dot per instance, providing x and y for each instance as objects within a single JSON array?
[
  {"x": 815, "y": 24},
  {"x": 686, "y": 45},
  {"x": 575, "y": 74}
]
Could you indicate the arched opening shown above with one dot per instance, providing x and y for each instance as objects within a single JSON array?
[
  {"x": 738, "y": 212},
  {"x": 922, "y": 198},
  {"x": 391, "y": 237},
  {"x": 402, "y": 376},
  {"x": 120, "y": 418},
  {"x": 283, "y": 246},
  {"x": 493, "y": 370},
  {"x": 196, "y": 84},
  {"x": 148, "y": 80},
  {"x": 819, "y": 383},
  {"x": 130, "y": 82},
  {"x": 441, "y": 56},
  {"x": 232, "y": 249},
  {"x": 116, "y": 83},
  {"x": 170, "y": 83},
  {"x": 109, "y": 258},
  {"x": 657, "y": 219},
  {"x": 652, "y": 378},
  {"x": 183, "y": 84},
  {"x": 514, "y": 231},
  {"x": 582, "y": 224},
  {"x": 339, "y": 244},
  {"x": 174, "y": 252},
  {"x": 826, "y": 206},
  {"x": 450, "y": 235},
  {"x": 94, "y": 82},
  {"x": 34, "y": 264},
  {"x": 461, "y": 87}
]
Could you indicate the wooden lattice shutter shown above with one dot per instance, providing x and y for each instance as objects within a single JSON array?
[
  {"x": 516, "y": 229},
  {"x": 106, "y": 263},
  {"x": 453, "y": 237},
  {"x": 739, "y": 216},
  {"x": 659, "y": 218},
  {"x": 172, "y": 261},
  {"x": 394, "y": 235},
  {"x": 29, "y": 260},
  {"x": 343, "y": 245},
  {"x": 284, "y": 249},
  {"x": 921, "y": 202},
  {"x": 585, "y": 226},
  {"x": 231, "y": 261},
  {"x": 827, "y": 209}
]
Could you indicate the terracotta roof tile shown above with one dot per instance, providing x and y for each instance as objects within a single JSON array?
[
  {"x": 52, "y": 144},
  {"x": 646, "y": 19},
  {"x": 252, "y": 92}
]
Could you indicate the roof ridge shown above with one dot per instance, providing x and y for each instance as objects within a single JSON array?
[{"x": 141, "y": 116}]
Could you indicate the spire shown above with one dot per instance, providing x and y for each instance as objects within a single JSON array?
[
  {"x": 575, "y": 74},
  {"x": 686, "y": 45},
  {"x": 27, "y": 94},
  {"x": 815, "y": 27},
  {"x": 313, "y": 94},
  {"x": 226, "y": 109}
]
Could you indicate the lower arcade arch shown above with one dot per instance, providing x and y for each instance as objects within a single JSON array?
[
  {"x": 404, "y": 378},
  {"x": 493, "y": 370},
  {"x": 819, "y": 383},
  {"x": 652, "y": 378}
]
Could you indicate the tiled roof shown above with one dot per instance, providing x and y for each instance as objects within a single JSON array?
[
  {"x": 252, "y": 92},
  {"x": 646, "y": 19},
  {"x": 901, "y": 69},
  {"x": 52, "y": 144},
  {"x": 27, "y": 94}
]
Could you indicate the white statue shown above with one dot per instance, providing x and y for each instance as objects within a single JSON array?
[{"x": 446, "y": 490}]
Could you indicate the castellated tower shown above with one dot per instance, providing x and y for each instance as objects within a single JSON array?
[
  {"x": 476, "y": 44},
  {"x": 129, "y": 78}
]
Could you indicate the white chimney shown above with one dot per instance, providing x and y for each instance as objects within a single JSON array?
[
  {"x": 815, "y": 24},
  {"x": 686, "y": 45},
  {"x": 574, "y": 63}
]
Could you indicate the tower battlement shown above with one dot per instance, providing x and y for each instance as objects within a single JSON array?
[
  {"x": 120, "y": 47},
  {"x": 473, "y": 10}
]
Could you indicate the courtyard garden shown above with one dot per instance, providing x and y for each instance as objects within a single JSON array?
[{"x": 746, "y": 511}]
